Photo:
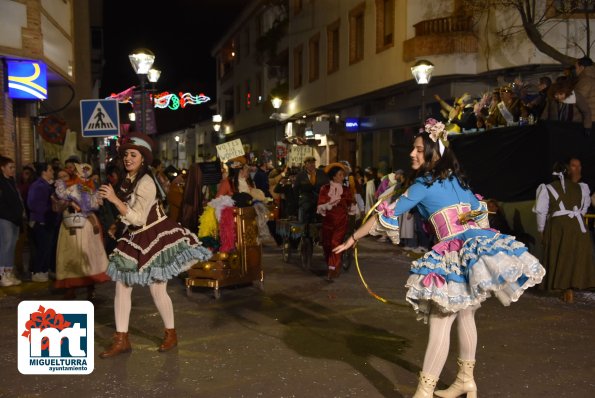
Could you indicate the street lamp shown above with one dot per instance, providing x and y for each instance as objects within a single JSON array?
[
  {"x": 277, "y": 102},
  {"x": 141, "y": 61},
  {"x": 422, "y": 73},
  {"x": 177, "y": 138}
]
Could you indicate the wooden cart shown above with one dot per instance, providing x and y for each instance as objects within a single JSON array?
[{"x": 243, "y": 266}]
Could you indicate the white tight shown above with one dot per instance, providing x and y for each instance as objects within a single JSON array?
[
  {"x": 123, "y": 304},
  {"x": 439, "y": 340}
]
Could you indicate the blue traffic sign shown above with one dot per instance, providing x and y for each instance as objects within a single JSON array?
[{"x": 100, "y": 118}]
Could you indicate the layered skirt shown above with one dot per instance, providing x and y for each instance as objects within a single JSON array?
[
  {"x": 155, "y": 252},
  {"x": 464, "y": 271}
]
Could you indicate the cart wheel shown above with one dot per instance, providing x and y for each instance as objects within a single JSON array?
[
  {"x": 347, "y": 259},
  {"x": 306, "y": 253},
  {"x": 188, "y": 291},
  {"x": 286, "y": 249},
  {"x": 216, "y": 293}
]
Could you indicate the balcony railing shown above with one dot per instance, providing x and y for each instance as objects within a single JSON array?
[{"x": 440, "y": 26}]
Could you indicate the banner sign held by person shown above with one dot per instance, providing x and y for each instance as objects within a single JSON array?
[
  {"x": 298, "y": 153},
  {"x": 230, "y": 150}
]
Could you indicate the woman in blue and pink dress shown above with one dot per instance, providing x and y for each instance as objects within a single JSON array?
[{"x": 469, "y": 264}]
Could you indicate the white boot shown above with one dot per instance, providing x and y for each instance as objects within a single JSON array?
[
  {"x": 464, "y": 383},
  {"x": 426, "y": 385}
]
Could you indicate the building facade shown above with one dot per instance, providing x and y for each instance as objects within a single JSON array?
[
  {"x": 65, "y": 36},
  {"x": 349, "y": 66}
]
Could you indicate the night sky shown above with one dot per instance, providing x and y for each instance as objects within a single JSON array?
[{"x": 181, "y": 34}]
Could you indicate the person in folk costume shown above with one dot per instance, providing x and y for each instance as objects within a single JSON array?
[
  {"x": 507, "y": 111},
  {"x": 152, "y": 248},
  {"x": 81, "y": 260},
  {"x": 335, "y": 203},
  {"x": 239, "y": 182},
  {"x": 560, "y": 207},
  {"x": 469, "y": 264}
]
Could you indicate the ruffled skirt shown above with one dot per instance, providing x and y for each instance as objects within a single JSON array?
[
  {"x": 459, "y": 274},
  {"x": 155, "y": 254}
]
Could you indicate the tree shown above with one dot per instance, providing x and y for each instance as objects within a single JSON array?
[{"x": 537, "y": 17}]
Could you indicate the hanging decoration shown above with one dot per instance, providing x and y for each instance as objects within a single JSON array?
[{"x": 164, "y": 99}]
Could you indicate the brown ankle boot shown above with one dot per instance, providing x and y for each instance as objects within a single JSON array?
[
  {"x": 169, "y": 341},
  {"x": 120, "y": 345}
]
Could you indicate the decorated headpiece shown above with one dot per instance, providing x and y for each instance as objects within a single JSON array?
[
  {"x": 84, "y": 170},
  {"x": 236, "y": 163},
  {"x": 437, "y": 133},
  {"x": 139, "y": 141}
]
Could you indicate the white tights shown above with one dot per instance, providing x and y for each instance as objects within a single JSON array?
[
  {"x": 123, "y": 303},
  {"x": 439, "y": 340}
]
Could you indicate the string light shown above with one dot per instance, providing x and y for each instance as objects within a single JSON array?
[{"x": 165, "y": 99}]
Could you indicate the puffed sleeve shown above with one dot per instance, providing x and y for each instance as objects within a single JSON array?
[
  {"x": 388, "y": 214},
  {"x": 541, "y": 207},
  {"x": 145, "y": 194},
  {"x": 586, "y": 199}
]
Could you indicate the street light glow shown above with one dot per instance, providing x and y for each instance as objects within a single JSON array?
[
  {"x": 422, "y": 71},
  {"x": 141, "y": 60},
  {"x": 277, "y": 102},
  {"x": 177, "y": 138},
  {"x": 153, "y": 75}
]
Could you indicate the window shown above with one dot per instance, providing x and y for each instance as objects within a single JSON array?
[
  {"x": 385, "y": 24},
  {"x": 237, "y": 99},
  {"x": 332, "y": 45},
  {"x": 297, "y": 6},
  {"x": 298, "y": 55},
  {"x": 258, "y": 89},
  {"x": 356, "y": 33},
  {"x": 247, "y": 40},
  {"x": 248, "y": 96},
  {"x": 314, "y": 57},
  {"x": 574, "y": 6}
]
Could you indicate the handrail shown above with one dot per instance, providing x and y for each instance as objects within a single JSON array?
[{"x": 444, "y": 25}]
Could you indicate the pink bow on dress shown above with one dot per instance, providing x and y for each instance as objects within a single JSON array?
[
  {"x": 453, "y": 245},
  {"x": 385, "y": 209},
  {"x": 433, "y": 278}
]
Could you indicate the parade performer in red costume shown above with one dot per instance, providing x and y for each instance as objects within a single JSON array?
[{"x": 335, "y": 203}]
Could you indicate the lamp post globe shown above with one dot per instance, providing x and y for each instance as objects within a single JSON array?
[
  {"x": 142, "y": 60},
  {"x": 422, "y": 73}
]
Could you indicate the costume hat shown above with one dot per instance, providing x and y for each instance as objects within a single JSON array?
[
  {"x": 333, "y": 165},
  {"x": 237, "y": 162},
  {"x": 139, "y": 141}
]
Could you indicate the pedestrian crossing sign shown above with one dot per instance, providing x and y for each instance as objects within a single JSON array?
[{"x": 100, "y": 118}]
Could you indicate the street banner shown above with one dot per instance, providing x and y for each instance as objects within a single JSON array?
[
  {"x": 150, "y": 123},
  {"x": 229, "y": 150}
]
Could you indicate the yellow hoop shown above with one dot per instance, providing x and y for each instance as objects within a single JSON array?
[{"x": 361, "y": 276}]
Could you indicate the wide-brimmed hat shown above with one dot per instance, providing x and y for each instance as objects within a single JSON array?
[
  {"x": 308, "y": 159},
  {"x": 139, "y": 141},
  {"x": 331, "y": 166},
  {"x": 237, "y": 162}
]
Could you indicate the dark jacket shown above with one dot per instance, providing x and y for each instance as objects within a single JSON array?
[
  {"x": 40, "y": 203},
  {"x": 306, "y": 192},
  {"x": 11, "y": 205},
  {"x": 261, "y": 181}
]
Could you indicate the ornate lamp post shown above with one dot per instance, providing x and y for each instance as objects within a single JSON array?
[
  {"x": 422, "y": 73},
  {"x": 141, "y": 61}
]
